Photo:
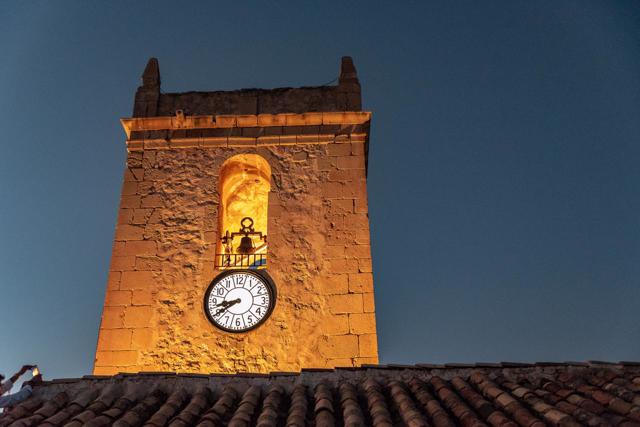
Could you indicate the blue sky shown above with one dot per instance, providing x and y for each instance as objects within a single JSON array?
[{"x": 503, "y": 176}]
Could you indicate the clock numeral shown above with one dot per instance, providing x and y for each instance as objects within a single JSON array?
[{"x": 220, "y": 291}]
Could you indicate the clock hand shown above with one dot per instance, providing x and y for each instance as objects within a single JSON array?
[
  {"x": 225, "y": 305},
  {"x": 228, "y": 303}
]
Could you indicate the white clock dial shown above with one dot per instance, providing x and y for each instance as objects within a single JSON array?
[{"x": 238, "y": 301}]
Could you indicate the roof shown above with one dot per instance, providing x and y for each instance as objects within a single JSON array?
[{"x": 507, "y": 394}]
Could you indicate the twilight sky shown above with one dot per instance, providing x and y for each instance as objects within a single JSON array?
[{"x": 503, "y": 168}]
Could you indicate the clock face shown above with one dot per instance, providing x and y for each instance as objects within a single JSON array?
[{"x": 239, "y": 300}]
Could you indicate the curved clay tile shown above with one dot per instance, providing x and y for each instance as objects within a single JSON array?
[
  {"x": 504, "y": 400},
  {"x": 430, "y": 404},
  {"x": 107, "y": 396},
  {"x": 463, "y": 413},
  {"x": 247, "y": 407},
  {"x": 485, "y": 410},
  {"x": 22, "y": 410},
  {"x": 297, "y": 416},
  {"x": 405, "y": 406},
  {"x": 271, "y": 407},
  {"x": 351, "y": 412},
  {"x": 377, "y": 404},
  {"x": 221, "y": 409},
  {"x": 74, "y": 408},
  {"x": 190, "y": 414},
  {"x": 168, "y": 409},
  {"x": 137, "y": 415},
  {"x": 323, "y": 408}
]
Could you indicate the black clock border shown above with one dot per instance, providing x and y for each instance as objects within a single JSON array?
[{"x": 262, "y": 275}]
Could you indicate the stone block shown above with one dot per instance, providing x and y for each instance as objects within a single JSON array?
[
  {"x": 113, "y": 280},
  {"x": 335, "y": 284},
  {"x": 139, "y": 248},
  {"x": 338, "y": 346},
  {"x": 152, "y": 201},
  {"x": 342, "y": 265},
  {"x": 156, "y": 144},
  {"x": 368, "y": 345},
  {"x": 215, "y": 141},
  {"x": 141, "y": 216},
  {"x": 104, "y": 370},
  {"x": 341, "y": 206},
  {"x": 125, "y": 216},
  {"x": 361, "y": 205},
  {"x": 368, "y": 302},
  {"x": 185, "y": 142},
  {"x": 362, "y": 323},
  {"x": 133, "y": 174},
  {"x": 307, "y": 139},
  {"x": 268, "y": 140},
  {"x": 138, "y": 316},
  {"x": 241, "y": 141},
  {"x": 364, "y": 265},
  {"x": 120, "y": 263},
  {"x": 142, "y": 339},
  {"x": 325, "y": 163},
  {"x": 339, "y": 149},
  {"x": 271, "y": 120},
  {"x": 355, "y": 189},
  {"x": 362, "y": 237},
  {"x": 130, "y": 201},
  {"x": 350, "y": 162},
  {"x": 349, "y": 303},
  {"x": 144, "y": 263},
  {"x": 129, "y": 232},
  {"x": 142, "y": 297},
  {"x": 345, "y": 175},
  {"x": 337, "y": 324},
  {"x": 357, "y": 221},
  {"x": 137, "y": 280},
  {"x": 223, "y": 121},
  {"x": 332, "y": 190},
  {"x": 117, "y": 298},
  {"x": 129, "y": 188},
  {"x": 112, "y": 317},
  {"x": 361, "y": 282},
  {"x": 115, "y": 339},
  {"x": 358, "y": 251},
  {"x": 247, "y": 121},
  {"x": 357, "y": 149},
  {"x": 116, "y": 358},
  {"x": 331, "y": 251}
]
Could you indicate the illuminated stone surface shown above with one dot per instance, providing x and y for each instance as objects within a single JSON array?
[{"x": 298, "y": 169}]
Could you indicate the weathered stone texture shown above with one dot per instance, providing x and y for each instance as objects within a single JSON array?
[
  {"x": 164, "y": 254},
  {"x": 315, "y": 141}
]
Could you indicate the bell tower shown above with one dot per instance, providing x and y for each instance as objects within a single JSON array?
[{"x": 242, "y": 242}]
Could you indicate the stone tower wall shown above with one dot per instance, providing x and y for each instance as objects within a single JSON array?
[{"x": 319, "y": 252}]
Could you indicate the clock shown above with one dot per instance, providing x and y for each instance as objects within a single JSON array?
[{"x": 240, "y": 300}]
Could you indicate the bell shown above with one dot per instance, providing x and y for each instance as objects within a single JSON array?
[{"x": 246, "y": 245}]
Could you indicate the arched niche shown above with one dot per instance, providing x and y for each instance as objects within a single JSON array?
[{"x": 245, "y": 182}]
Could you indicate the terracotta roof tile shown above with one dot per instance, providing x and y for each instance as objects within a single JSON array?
[{"x": 505, "y": 395}]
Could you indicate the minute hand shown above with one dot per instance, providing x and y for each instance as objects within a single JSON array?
[{"x": 225, "y": 305}]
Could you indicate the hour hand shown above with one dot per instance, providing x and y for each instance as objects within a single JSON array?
[{"x": 227, "y": 304}]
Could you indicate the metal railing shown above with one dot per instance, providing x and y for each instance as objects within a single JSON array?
[{"x": 241, "y": 260}]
